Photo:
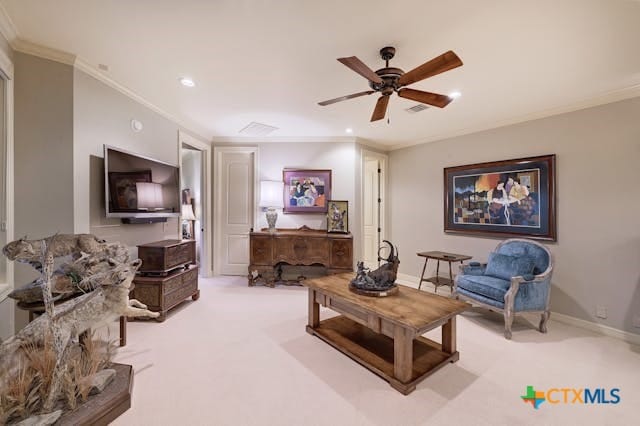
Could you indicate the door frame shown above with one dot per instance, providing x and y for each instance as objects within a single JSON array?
[
  {"x": 206, "y": 220},
  {"x": 217, "y": 155},
  {"x": 7, "y": 143},
  {"x": 384, "y": 161}
]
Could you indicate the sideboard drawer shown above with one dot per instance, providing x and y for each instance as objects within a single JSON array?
[
  {"x": 341, "y": 256},
  {"x": 261, "y": 250}
]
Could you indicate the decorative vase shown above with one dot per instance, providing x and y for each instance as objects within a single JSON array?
[{"x": 272, "y": 216}]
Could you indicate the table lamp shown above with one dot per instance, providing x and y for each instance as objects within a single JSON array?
[
  {"x": 271, "y": 196},
  {"x": 149, "y": 196},
  {"x": 187, "y": 216}
]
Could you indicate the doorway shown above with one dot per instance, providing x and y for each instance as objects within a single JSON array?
[
  {"x": 373, "y": 201},
  {"x": 195, "y": 185}
]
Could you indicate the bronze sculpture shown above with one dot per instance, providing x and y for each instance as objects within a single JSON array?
[{"x": 381, "y": 281}]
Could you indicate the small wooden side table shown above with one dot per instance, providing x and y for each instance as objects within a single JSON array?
[{"x": 437, "y": 280}]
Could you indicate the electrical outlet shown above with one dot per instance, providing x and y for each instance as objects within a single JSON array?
[
  {"x": 636, "y": 321},
  {"x": 601, "y": 311}
]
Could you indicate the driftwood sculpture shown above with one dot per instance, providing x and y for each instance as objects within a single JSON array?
[
  {"x": 76, "y": 277},
  {"x": 31, "y": 251},
  {"x": 107, "y": 281},
  {"x": 379, "y": 281}
]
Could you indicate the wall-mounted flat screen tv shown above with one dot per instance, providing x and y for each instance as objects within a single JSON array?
[{"x": 139, "y": 187}]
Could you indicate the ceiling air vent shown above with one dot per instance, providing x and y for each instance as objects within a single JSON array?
[
  {"x": 257, "y": 129},
  {"x": 416, "y": 108}
]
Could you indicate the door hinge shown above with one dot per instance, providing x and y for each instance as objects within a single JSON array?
[
  {"x": 379, "y": 170},
  {"x": 379, "y": 229},
  {"x": 379, "y": 200}
]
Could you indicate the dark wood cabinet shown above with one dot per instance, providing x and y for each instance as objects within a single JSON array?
[
  {"x": 160, "y": 257},
  {"x": 167, "y": 276},
  {"x": 300, "y": 247},
  {"x": 163, "y": 293}
]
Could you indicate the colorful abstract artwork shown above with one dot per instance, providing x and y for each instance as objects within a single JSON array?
[
  {"x": 502, "y": 198},
  {"x": 306, "y": 191}
]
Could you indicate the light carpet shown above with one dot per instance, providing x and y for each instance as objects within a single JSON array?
[{"x": 241, "y": 356}]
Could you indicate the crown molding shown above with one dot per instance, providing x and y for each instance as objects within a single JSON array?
[
  {"x": 31, "y": 48},
  {"x": 34, "y": 49},
  {"x": 602, "y": 99},
  {"x": 282, "y": 139},
  {"x": 89, "y": 69},
  {"x": 7, "y": 27}
]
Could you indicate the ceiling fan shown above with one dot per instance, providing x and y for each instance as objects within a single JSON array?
[{"x": 388, "y": 80}]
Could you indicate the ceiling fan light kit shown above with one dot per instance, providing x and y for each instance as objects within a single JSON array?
[{"x": 388, "y": 80}]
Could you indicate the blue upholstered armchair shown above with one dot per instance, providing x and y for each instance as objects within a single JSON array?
[{"x": 517, "y": 278}]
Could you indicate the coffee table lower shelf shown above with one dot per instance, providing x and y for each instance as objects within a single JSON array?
[{"x": 375, "y": 351}]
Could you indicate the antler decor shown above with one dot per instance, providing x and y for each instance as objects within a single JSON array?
[{"x": 379, "y": 282}]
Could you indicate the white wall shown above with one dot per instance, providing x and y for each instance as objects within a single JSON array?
[
  {"x": 43, "y": 159},
  {"x": 598, "y": 249},
  {"x": 103, "y": 115}
]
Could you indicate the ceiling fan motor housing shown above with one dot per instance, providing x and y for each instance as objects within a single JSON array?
[{"x": 389, "y": 78}]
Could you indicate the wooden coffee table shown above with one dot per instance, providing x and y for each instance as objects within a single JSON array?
[{"x": 384, "y": 333}]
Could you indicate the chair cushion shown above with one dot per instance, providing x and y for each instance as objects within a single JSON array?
[
  {"x": 505, "y": 266},
  {"x": 484, "y": 285}
]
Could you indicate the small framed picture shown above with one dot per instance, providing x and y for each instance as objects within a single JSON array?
[{"x": 338, "y": 216}]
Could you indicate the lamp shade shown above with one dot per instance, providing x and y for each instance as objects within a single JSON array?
[
  {"x": 187, "y": 212},
  {"x": 271, "y": 193},
  {"x": 149, "y": 195}
]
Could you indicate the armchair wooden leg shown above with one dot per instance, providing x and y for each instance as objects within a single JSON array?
[
  {"x": 508, "y": 321},
  {"x": 543, "y": 321}
]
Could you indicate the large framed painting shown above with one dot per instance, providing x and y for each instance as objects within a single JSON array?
[
  {"x": 306, "y": 191},
  {"x": 502, "y": 198}
]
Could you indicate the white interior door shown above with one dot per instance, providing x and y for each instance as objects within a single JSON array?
[
  {"x": 235, "y": 208},
  {"x": 374, "y": 188},
  {"x": 371, "y": 213}
]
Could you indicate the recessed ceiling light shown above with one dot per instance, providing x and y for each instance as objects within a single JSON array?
[
  {"x": 455, "y": 95},
  {"x": 187, "y": 82},
  {"x": 348, "y": 130}
]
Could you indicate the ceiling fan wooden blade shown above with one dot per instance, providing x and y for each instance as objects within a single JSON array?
[
  {"x": 428, "y": 98},
  {"x": 381, "y": 108},
  {"x": 344, "y": 98},
  {"x": 437, "y": 65},
  {"x": 358, "y": 66}
]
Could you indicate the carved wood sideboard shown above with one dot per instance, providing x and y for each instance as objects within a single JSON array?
[{"x": 298, "y": 247}]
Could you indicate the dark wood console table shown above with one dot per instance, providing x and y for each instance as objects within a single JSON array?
[{"x": 299, "y": 247}]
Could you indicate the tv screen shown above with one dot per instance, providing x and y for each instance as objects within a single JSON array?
[{"x": 139, "y": 187}]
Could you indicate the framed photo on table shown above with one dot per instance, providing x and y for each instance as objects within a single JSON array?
[
  {"x": 338, "y": 216},
  {"x": 306, "y": 191},
  {"x": 510, "y": 198}
]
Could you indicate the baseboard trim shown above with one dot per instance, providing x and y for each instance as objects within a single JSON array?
[
  {"x": 598, "y": 328},
  {"x": 412, "y": 281}
]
